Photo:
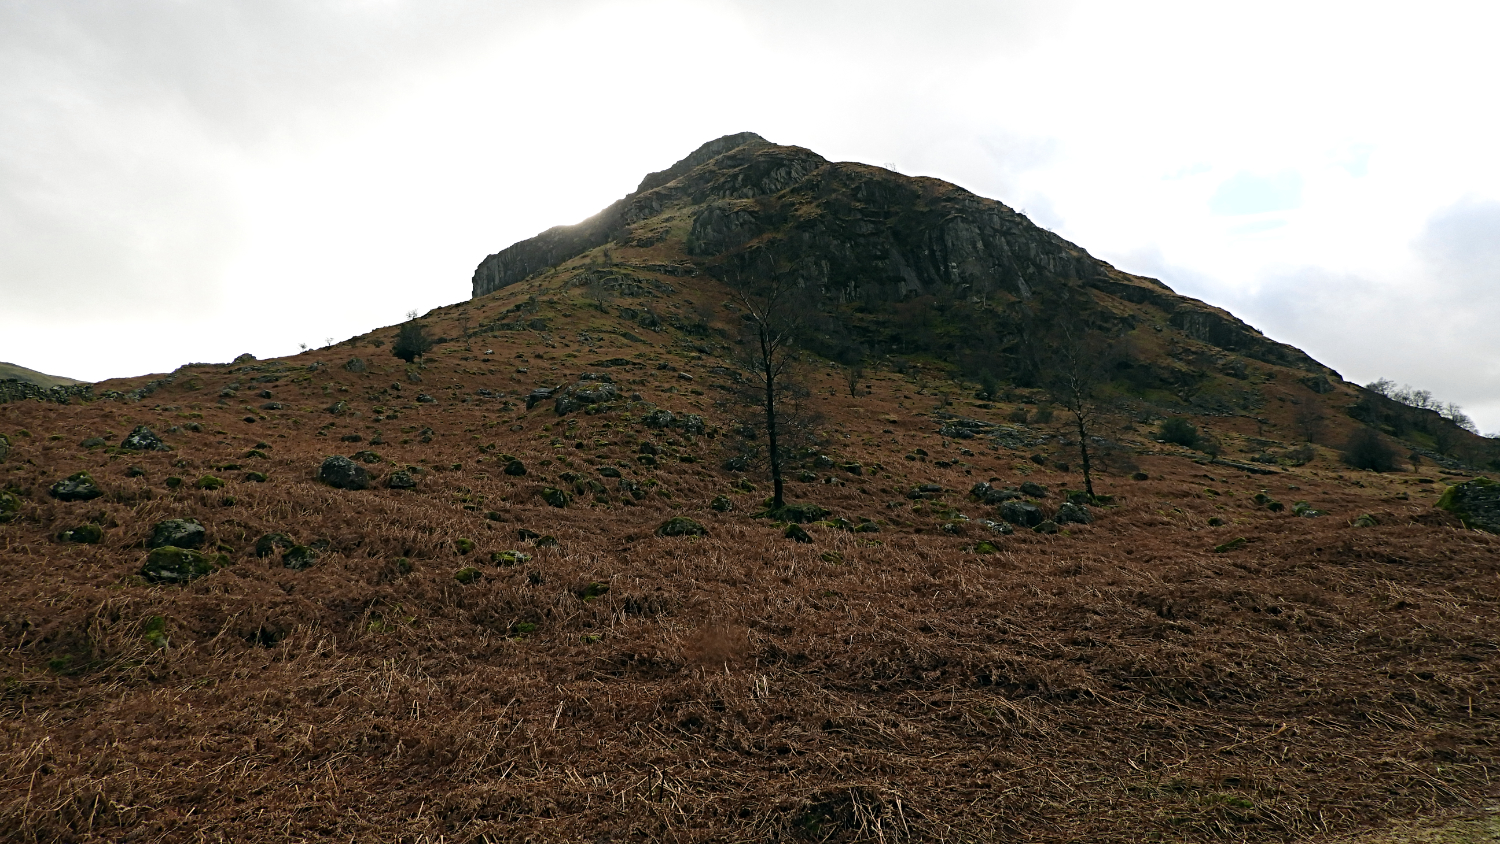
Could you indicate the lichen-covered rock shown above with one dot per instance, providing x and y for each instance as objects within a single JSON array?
[
  {"x": 468, "y": 575},
  {"x": 177, "y": 533},
  {"x": 144, "y": 439},
  {"x": 537, "y": 396},
  {"x": 1071, "y": 513},
  {"x": 338, "y": 408},
  {"x": 356, "y": 365},
  {"x": 83, "y": 534},
  {"x": 1476, "y": 503},
  {"x": 556, "y": 497},
  {"x": 1022, "y": 513},
  {"x": 1033, "y": 489},
  {"x": 401, "y": 479},
  {"x": 1048, "y": 526},
  {"x": 797, "y": 533},
  {"x": 681, "y": 526},
  {"x": 608, "y": 472},
  {"x": 721, "y": 503},
  {"x": 693, "y": 424},
  {"x": 340, "y": 472},
  {"x": 176, "y": 565},
  {"x": 509, "y": 558},
  {"x": 78, "y": 486},
  {"x": 10, "y": 506},
  {"x": 268, "y": 543},
  {"x": 209, "y": 482}
]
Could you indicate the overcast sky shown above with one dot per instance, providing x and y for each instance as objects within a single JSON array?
[{"x": 185, "y": 181}]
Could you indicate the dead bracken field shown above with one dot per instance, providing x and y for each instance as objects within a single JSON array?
[{"x": 1119, "y": 681}]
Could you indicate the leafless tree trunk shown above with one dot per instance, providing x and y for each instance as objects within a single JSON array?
[{"x": 773, "y": 323}]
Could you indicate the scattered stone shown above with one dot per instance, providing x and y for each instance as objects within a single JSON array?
[
  {"x": 143, "y": 439},
  {"x": 797, "y": 533},
  {"x": 299, "y": 557},
  {"x": 681, "y": 526},
  {"x": 1033, "y": 489},
  {"x": 342, "y": 473},
  {"x": 1140, "y": 476},
  {"x": 823, "y": 461},
  {"x": 463, "y": 546},
  {"x": 736, "y": 464},
  {"x": 801, "y": 514},
  {"x": 467, "y": 575},
  {"x": 1365, "y": 521},
  {"x": 556, "y": 497},
  {"x": 177, "y": 533},
  {"x": 268, "y": 543},
  {"x": 997, "y": 527},
  {"x": 4, "y": 447},
  {"x": 867, "y": 526},
  {"x": 366, "y": 457},
  {"x": 209, "y": 482},
  {"x": 78, "y": 486},
  {"x": 1070, "y": 513},
  {"x": 356, "y": 365},
  {"x": 693, "y": 424},
  {"x": 546, "y": 540},
  {"x": 990, "y": 495},
  {"x": 401, "y": 479},
  {"x": 1476, "y": 503},
  {"x": 1268, "y": 502},
  {"x": 1048, "y": 527},
  {"x": 537, "y": 396},
  {"x": 854, "y": 468},
  {"x": 134, "y": 472},
  {"x": 351, "y": 438},
  {"x": 174, "y": 565},
  {"x": 425, "y": 399},
  {"x": 338, "y": 408},
  {"x": 632, "y": 489},
  {"x": 646, "y": 460},
  {"x": 1215, "y": 522},
  {"x": 986, "y": 547},
  {"x": 256, "y": 477},
  {"x": 608, "y": 472},
  {"x": 807, "y": 476},
  {"x": 93, "y": 442},
  {"x": 1022, "y": 513},
  {"x": 83, "y": 534},
  {"x": 515, "y": 468},
  {"x": 721, "y": 503},
  {"x": 173, "y": 482},
  {"x": 271, "y": 405},
  {"x": 1237, "y": 542}
]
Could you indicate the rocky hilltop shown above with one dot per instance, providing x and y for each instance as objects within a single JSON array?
[{"x": 866, "y": 239}]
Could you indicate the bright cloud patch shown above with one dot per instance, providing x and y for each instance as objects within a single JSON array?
[{"x": 1249, "y": 193}]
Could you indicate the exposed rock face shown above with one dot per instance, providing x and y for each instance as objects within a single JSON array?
[{"x": 860, "y": 235}]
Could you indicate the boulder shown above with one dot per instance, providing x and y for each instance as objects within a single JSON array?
[
  {"x": 10, "y": 506},
  {"x": 797, "y": 533},
  {"x": 681, "y": 526},
  {"x": 268, "y": 543},
  {"x": 356, "y": 365},
  {"x": 583, "y": 394},
  {"x": 556, "y": 497},
  {"x": 1071, "y": 513},
  {"x": 608, "y": 472},
  {"x": 1047, "y": 527},
  {"x": 342, "y": 473},
  {"x": 1033, "y": 489},
  {"x": 173, "y": 565},
  {"x": 401, "y": 479},
  {"x": 658, "y": 419},
  {"x": 4, "y": 447},
  {"x": 177, "y": 533},
  {"x": 365, "y": 456},
  {"x": 299, "y": 557},
  {"x": 83, "y": 534},
  {"x": 693, "y": 424},
  {"x": 721, "y": 503},
  {"x": 78, "y": 486},
  {"x": 515, "y": 468},
  {"x": 537, "y": 396},
  {"x": 144, "y": 439},
  {"x": 1476, "y": 503},
  {"x": 1022, "y": 513}
]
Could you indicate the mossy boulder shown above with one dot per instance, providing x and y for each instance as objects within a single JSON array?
[
  {"x": 83, "y": 534},
  {"x": 1048, "y": 527},
  {"x": 556, "y": 497},
  {"x": 1365, "y": 521},
  {"x": 467, "y": 575},
  {"x": 986, "y": 547},
  {"x": 4, "y": 447},
  {"x": 797, "y": 533},
  {"x": 177, "y": 533},
  {"x": 209, "y": 482},
  {"x": 256, "y": 477},
  {"x": 10, "y": 506},
  {"x": 1071, "y": 513},
  {"x": 1022, "y": 513},
  {"x": 401, "y": 479},
  {"x": 177, "y": 565},
  {"x": 299, "y": 557},
  {"x": 463, "y": 545},
  {"x": 515, "y": 468},
  {"x": 721, "y": 503},
  {"x": 1476, "y": 503},
  {"x": 78, "y": 486},
  {"x": 681, "y": 526},
  {"x": 509, "y": 558}
]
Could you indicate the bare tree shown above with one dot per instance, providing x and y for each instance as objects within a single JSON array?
[
  {"x": 1072, "y": 370},
  {"x": 773, "y": 321}
]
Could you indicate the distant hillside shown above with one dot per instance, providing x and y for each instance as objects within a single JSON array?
[{"x": 12, "y": 372}]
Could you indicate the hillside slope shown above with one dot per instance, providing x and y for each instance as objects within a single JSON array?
[{"x": 1259, "y": 644}]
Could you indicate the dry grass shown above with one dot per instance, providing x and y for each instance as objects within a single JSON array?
[{"x": 1121, "y": 682}]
